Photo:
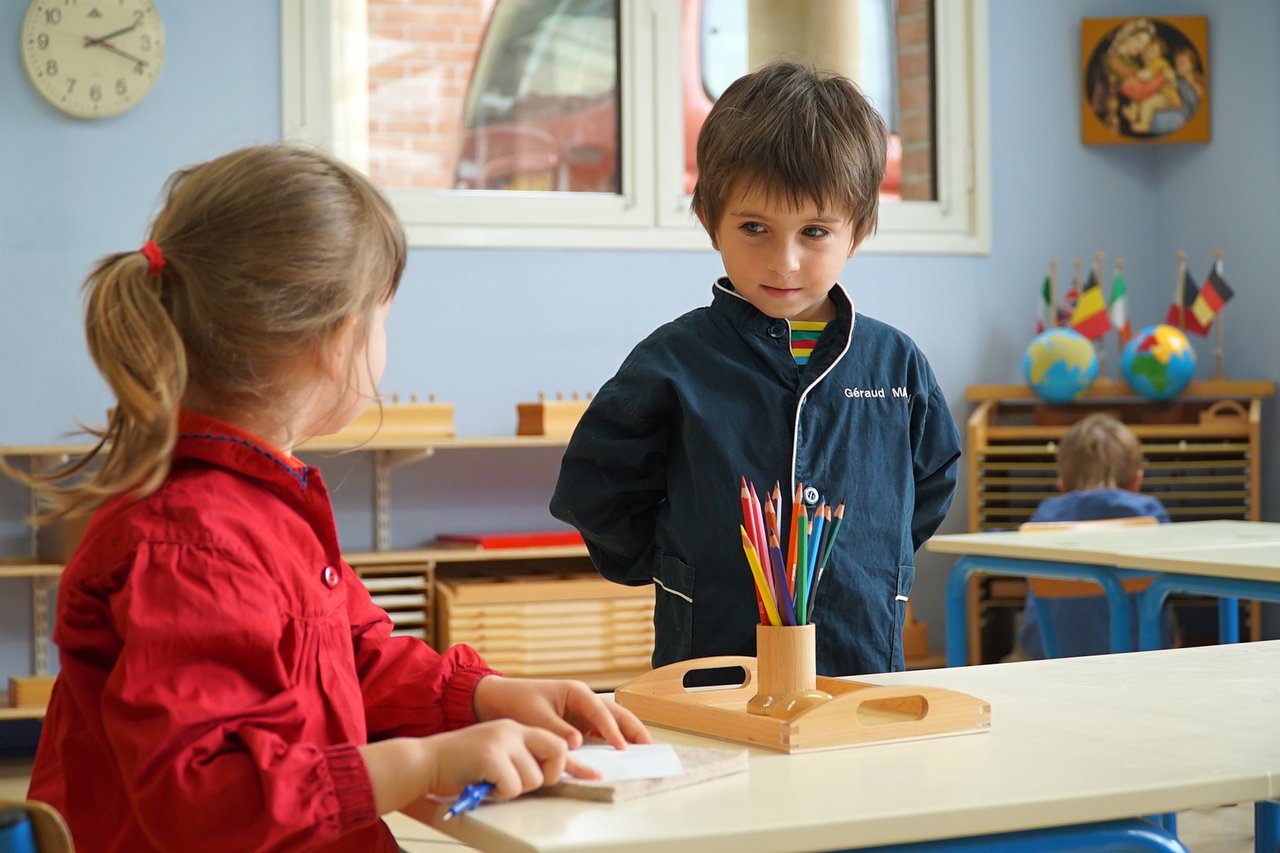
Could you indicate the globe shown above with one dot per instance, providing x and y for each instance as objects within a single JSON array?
[
  {"x": 1158, "y": 362},
  {"x": 1060, "y": 365}
]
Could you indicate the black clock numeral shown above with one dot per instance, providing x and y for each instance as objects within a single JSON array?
[
  {"x": 95, "y": 93},
  {"x": 42, "y": 41},
  {"x": 139, "y": 69},
  {"x": 146, "y": 42},
  {"x": 71, "y": 84},
  {"x": 53, "y": 17},
  {"x": 138, "y": 15},
  {"x": 122, "y": 88},
  {"x": 51, "y": 67}
]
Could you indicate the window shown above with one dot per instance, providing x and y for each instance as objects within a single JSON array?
[{"x": 571, "y": 123}]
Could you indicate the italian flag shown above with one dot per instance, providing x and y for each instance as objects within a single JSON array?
[
  {"x": 1118, "y": 309},
  {"x": 1045, "y": 313}
]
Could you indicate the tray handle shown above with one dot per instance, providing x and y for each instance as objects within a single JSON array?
[{"x": 669, "y": 680}]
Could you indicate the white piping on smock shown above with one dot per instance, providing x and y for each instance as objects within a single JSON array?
[
  {"x": 672, "y": 591},
  {"x": 795, "y": 427}
]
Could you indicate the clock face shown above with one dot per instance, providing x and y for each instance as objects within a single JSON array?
[{"x": 92, "y": 58}]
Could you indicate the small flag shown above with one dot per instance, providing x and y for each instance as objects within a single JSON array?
[
  {"x": 1213, "y": 295},
  {"x": 1090, "y": 316},
  {"x": 1068, "y": 307},
  {"x": 1044, "y": 313},
  {"x": 1118, "y": 309},
  {"x": 1181, "y": 315}
]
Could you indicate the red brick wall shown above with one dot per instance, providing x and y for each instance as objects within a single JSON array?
[
  {"x": 915, "y": 98},
  {"x": 420, "y": 57}
]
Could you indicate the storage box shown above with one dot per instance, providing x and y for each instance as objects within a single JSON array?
[
  {"x": 556, "y": 417},
  {"x": 30, "y": 691},
  {"x": 395, "y": 421},
  {"x": 404, "y": 590},
  {"x": 575, "y": 626}
]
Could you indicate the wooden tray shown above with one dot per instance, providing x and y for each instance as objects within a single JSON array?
[{"x": 858, "y": 715}]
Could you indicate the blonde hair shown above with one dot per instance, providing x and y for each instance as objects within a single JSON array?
[
  {"x": 1098, "y": 452},
  {"x": 267, "y": 250},
  {"x": 797, "y": 134}
]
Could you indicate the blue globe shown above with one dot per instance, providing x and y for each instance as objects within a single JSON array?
[
  {"x": 1060, "y": 365},
  {"x": 1158, "y": 362}
]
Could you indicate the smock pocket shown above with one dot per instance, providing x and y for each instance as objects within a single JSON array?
[
  {"x": 672, "y": 611},
  {"x": 906, "y": 579}
]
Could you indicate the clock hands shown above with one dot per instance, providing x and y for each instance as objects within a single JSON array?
[
  {"x": 116, "y": 50},
  {"x": 100, "y": 39}
]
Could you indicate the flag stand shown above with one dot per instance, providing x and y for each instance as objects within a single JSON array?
[
  {"x": 1181, "y": 290},
  {"x": 1102, "y": 347},
  {"x": 1120, "y": 341},
  {"x": 1217, "y": 332}
]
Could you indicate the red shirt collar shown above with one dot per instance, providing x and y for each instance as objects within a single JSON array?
[{"x": 196, "y": 423}]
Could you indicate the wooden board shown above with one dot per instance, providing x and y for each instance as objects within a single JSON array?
[
  {"x": 30, "y": 691},
  {"x": 859, "y": 714}
]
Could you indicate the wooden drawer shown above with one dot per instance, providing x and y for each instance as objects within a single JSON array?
[
  {"x": 404, "y": 590},
  {"x": 578, "y": 626}
]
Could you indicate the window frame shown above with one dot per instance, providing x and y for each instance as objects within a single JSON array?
[{"x": 324, "y": 81}]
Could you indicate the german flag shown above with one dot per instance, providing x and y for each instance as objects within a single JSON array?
[
  {"x": 1090, "y": 317},
  {"x": 1182, "y": 315},
  {"x": 1213, "y": 295}
]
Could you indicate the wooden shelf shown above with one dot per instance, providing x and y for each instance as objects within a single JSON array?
[
  {"x": 24, "y": 568},
  {"x": 28, "y": 712}
]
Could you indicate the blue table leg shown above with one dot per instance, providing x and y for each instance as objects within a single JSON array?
[
  {"x": 1228, "y": 620},
  {"x": 1266, "y": 827},
  {"x": 1104, "y": 576},
  {"x": 1162, "y": 586}
]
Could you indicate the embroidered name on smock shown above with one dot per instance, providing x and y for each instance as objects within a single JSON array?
[{"x": 899, "y": 391}]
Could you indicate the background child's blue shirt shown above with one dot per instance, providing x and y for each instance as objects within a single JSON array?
[
  {"x": 1081, "y": 624},
  {"x": 1096, "y": 504},
  {"x": 651, "y": 475}
]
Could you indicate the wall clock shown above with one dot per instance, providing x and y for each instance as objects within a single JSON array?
[{"x": 92, "y": 58}]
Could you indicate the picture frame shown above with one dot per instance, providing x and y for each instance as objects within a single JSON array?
[{"x": 1144, "y": 80}]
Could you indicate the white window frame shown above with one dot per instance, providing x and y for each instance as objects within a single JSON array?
[{"x": 324, "y": 81}]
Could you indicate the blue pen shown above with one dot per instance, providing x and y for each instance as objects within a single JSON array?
[{"x": 470, "y": 797}]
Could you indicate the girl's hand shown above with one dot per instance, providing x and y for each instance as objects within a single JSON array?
[
  {"x": 516, "y": 758},
  {"x": 568, "y": 708}
]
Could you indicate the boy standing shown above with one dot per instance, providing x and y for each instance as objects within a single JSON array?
[{"x": 790, "y": 164}]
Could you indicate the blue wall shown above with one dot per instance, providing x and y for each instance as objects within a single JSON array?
[{"x": 551, "y": 320}]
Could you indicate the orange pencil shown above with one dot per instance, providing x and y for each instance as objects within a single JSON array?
[{"x": 797, "y": 507}]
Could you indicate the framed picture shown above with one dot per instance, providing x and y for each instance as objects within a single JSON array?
[{"x": 1144, "y": 80}]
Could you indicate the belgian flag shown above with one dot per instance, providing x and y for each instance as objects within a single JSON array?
[
  {"x": 1090, "y": 317},
  {"x": 1213, "y": 295},
  {"x": 1182, "y": 315}
]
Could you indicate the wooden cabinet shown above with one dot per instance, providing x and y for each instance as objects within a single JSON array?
[{"x": 1201, "y": 450}]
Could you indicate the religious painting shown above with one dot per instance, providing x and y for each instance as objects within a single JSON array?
[{"x": 1144, "y": 79}]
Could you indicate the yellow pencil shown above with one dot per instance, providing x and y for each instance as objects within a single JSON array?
[{"x": 757, "y": 572}]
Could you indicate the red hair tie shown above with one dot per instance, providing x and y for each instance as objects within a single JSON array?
[{"x": 155, "y": 258}]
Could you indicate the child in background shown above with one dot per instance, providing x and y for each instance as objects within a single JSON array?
[
  {"x": 1099, "y": 474},
  {"x": 790, "y": 163},
  {"x": 226, "y": 682}
]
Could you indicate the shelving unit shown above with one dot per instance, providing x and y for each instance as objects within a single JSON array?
[{"x": 1201, "y": 452}]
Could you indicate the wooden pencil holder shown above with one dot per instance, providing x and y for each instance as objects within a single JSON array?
[{"x": 786, "y": 667}]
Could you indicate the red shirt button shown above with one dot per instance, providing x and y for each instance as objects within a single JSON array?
[{"x": 329, "y": 576}]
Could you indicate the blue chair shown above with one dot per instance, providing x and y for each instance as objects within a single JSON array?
[{"x": 1117, "y": 836}]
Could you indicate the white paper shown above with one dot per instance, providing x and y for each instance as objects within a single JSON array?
[{"x": 637, "y": 761}]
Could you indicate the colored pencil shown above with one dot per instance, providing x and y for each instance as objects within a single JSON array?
[
  {"x": 785, "y": 603},
  {"x": 797, "y": 507},
  {"x": 749, "y": 521},
  {"x": 802, "y": 567},
  {"x": 757, "y": 572},
  {"x": 817, "y": 572},
  {"x": 831, "y": 543}
]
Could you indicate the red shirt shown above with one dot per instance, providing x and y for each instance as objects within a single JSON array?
[{"x": 220, "y": 665}]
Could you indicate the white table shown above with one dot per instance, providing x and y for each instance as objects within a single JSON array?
[
  {"x": 1225, "y": 559},
  {"x": 1073, "y": 741}
]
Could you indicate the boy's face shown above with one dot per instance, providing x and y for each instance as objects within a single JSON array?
[{"x": 783, "y": 261}]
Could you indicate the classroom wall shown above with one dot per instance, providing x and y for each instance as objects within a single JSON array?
[{"x": 551, "y": 320}]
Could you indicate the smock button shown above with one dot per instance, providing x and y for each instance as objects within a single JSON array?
[
  {"x": 810, "y": 495},
  {"x": 329, "y": 576},
  {"x": 777, "y": 330}
]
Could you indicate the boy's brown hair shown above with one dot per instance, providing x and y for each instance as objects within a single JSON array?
[
  {"x": 1099, "y": 452},
  {"x": 796, "y": 133}
]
